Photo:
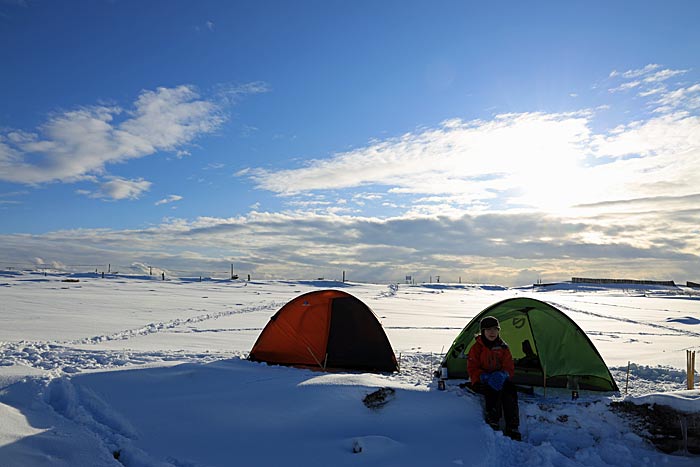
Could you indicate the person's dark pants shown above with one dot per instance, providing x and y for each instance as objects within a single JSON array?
[{"x": 503, "y": 402}]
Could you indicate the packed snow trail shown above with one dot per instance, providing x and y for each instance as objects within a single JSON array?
[
  {"x": 59, "y": 355},
  {"x": 152, "y": 328},
  {"x": 626, "y": 320}
]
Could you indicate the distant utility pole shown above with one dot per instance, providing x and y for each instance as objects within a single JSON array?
[{"x": 343, "y": 276}]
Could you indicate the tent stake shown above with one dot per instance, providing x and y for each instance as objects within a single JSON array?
[
  {"x": 690, "y": 368},
  {"x": 627, "y": 381}
]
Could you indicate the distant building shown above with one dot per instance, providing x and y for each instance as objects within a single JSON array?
[{"x": 588, "y": 280}]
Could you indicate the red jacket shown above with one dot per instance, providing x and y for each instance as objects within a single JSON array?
[{"x": 481, "y": 359}]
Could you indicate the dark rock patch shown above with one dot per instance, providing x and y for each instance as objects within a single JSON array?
[{"x": 669, "y": 430}]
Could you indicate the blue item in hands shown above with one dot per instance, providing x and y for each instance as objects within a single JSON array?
[
  {"x": 497, "y": 379},
  {"x": 485, "y": 377}
]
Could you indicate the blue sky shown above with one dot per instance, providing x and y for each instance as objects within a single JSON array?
[{"x": 506, "y": 143}]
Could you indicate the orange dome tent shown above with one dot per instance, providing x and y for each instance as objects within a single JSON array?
[{"x": 327, "y": 329}]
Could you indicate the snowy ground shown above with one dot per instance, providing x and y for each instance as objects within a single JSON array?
[{"x": 154, "y": 373}]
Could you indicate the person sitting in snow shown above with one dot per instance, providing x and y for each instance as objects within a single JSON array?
[{"x": 490, "y": 367}]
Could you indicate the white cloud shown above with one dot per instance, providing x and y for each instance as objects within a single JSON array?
[
  {"x": 635, "y": 73},
  {"x": 649, "y": 78},
  {"x": 79, "y": 143},
  {"x": 651, "y": 92},
  {"x": 626, "y": 86},
  {"x": 232, "y": 93},
  {"x": 663, "y": 75},
  {"x": 170, "y": 117},
  {"x": 682, "y": 98},
  {"x": 169, "y": 199},
  {"x": 670, "y": 135},
  {"x": 116, "y": 188},
  {"x": 10, "y": 194}
]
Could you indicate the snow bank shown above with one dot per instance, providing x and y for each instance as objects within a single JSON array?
[{"x": 682, "y": 401}]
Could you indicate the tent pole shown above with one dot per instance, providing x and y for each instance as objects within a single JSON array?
[
  {"x": 544, "y": 380},
  {"x": 325, "y": 362},
  {"x": 314, "y": 356}
]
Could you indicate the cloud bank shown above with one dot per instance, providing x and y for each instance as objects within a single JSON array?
[{"x": 508, "y": 249}]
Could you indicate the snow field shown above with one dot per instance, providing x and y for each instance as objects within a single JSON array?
[{"x": 158, "y": 377}]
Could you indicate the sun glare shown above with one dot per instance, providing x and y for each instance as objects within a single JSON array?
[{"x": 545, "y": 167}]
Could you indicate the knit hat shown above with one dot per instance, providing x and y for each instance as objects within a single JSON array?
[{"x": 489, "y": 322}]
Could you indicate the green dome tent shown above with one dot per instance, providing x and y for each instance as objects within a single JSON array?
[{"x": 548, "y": 348}]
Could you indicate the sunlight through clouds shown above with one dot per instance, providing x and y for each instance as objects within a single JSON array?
[
  {"x": 474, "y": 159},
  {"x": 539, "y": 161},
  {"x": 548, "y": 162}
]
